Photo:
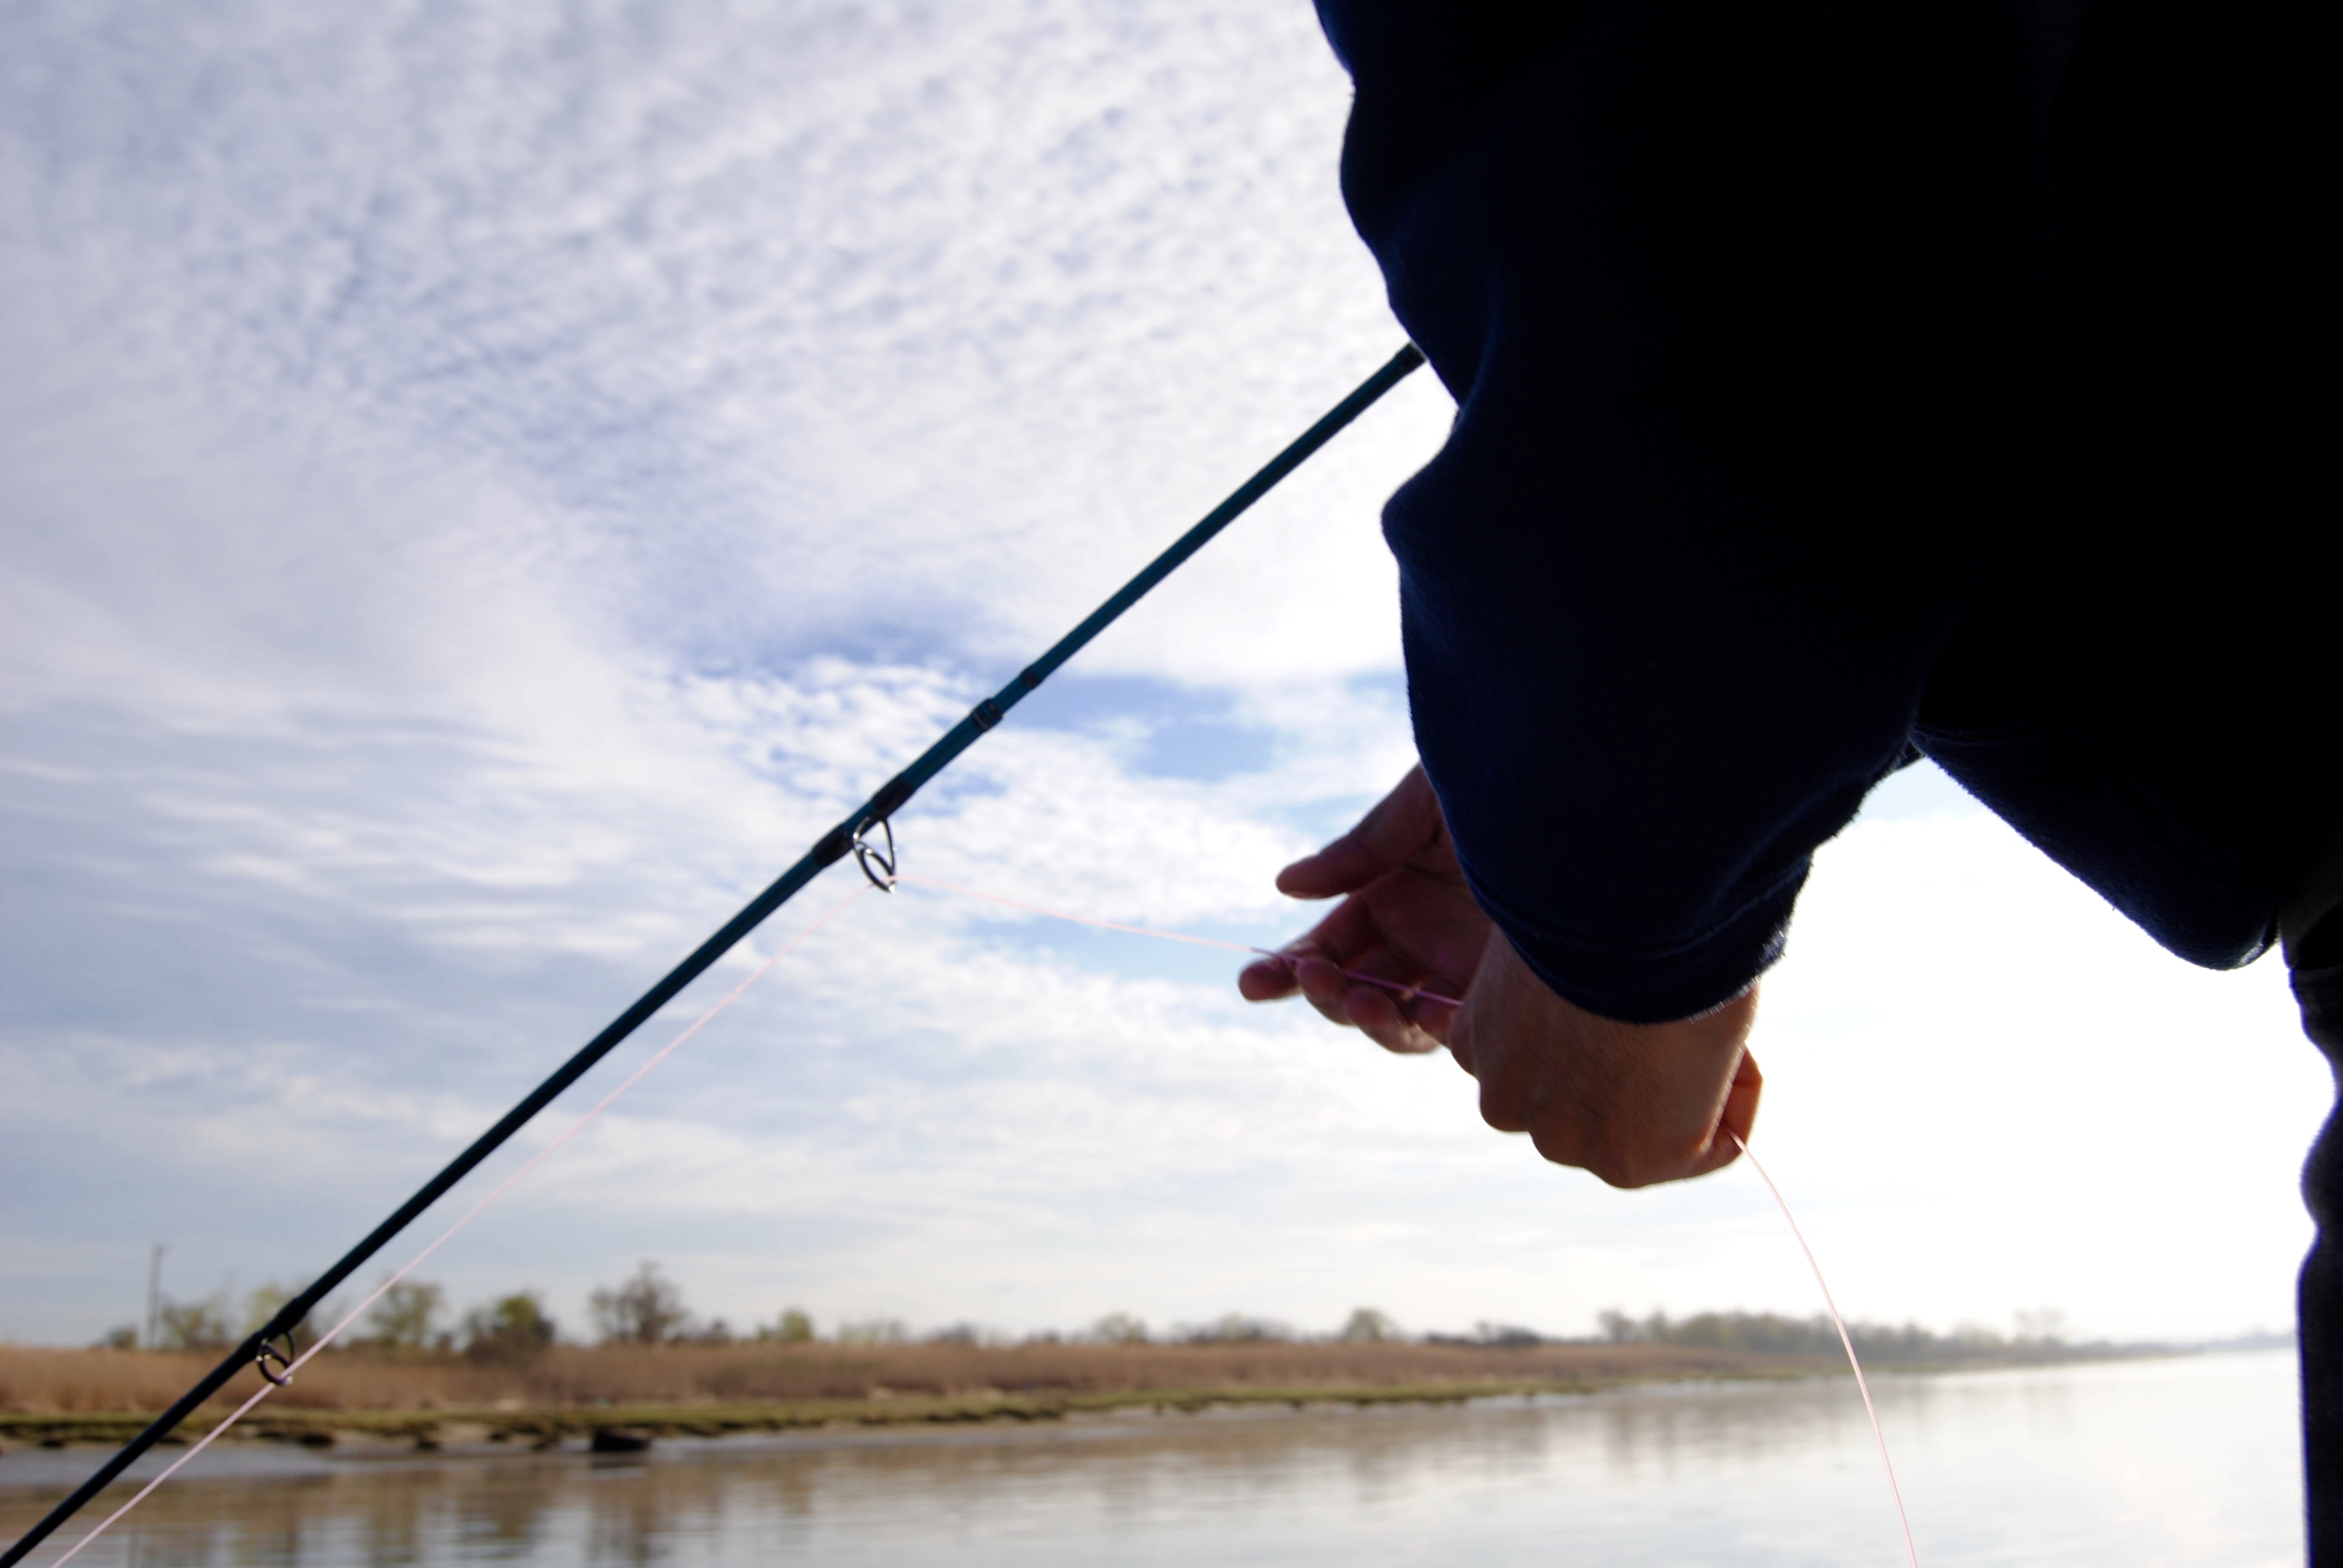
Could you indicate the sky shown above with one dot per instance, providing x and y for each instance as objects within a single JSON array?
[{"x": 483, "y": 486}]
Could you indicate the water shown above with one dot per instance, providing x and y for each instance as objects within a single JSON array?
[{"x": 2173, "y": 1463}]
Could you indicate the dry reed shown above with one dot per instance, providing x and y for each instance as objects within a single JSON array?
[{"x": 93, "y": 1382}]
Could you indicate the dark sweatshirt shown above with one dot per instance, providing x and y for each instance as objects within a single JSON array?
[{"x": 1839, "y": 383}]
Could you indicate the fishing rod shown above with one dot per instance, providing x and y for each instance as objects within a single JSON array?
[{"x": 271, "y": 1346}]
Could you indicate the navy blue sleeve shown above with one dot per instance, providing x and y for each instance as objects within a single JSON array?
[{"x": 1737, "y": 302}]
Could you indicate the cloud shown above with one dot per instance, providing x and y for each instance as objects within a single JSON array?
[
  {"x": 818, "y": 326},
  {"x": 483, "y": 488}
]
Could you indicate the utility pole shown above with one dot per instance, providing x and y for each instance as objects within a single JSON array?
[{"x": 154, "y": 1294}]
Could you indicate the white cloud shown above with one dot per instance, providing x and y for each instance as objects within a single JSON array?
[
  {"x": 804, "y": 326},
  {"x": 482, "y": 494}
]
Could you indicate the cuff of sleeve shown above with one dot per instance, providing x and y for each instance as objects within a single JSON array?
[{"x": 1647, "y": 986}]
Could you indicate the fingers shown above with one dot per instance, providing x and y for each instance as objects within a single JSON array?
[
  {"x": 1374, "y": 996},
  {"x": 1346, "y": 939},
  {"x": 1740, "y": 1117},
  {"x": 1410, "y": 921},
  {"x": 1387, "y": 1014},
  {"x": 1398, "y": 827},
  {"x": 1337, "y": 940},
  {"x": 1341, "y": 1000},
  {"x": 1322, "y": 986},
  {"x": 1305, "y": 967},
  {"x": 1633, "y": 1103},
  {"x": 1267, "y": 979}
]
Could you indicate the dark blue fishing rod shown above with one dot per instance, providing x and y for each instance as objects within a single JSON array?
[{"x": 271, "y": 1345}]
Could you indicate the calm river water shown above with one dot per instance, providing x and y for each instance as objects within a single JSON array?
[{"x": 2190, "y": 1461}]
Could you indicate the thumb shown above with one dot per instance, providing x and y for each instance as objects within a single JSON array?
[{"x": 1396, "y": 829}]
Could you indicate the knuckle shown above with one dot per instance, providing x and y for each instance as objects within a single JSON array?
[
  {"x": 1403, "y": 1040},
  {"x": 1558, "y": 1143},
  {"x": 1624, "y": 1174},
  {"x": 1502, "y": 1112},
  {"x": 1420, "y": 1041}
]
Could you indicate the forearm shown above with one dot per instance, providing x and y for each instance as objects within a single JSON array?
[{"x": 1738, "y": 309}]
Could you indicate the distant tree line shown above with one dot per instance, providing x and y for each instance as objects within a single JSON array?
[
  {"x": 407, "y": 1319},
  {"x": 2038, "y": 1332},
  {"x": 646, "y": 1309}
]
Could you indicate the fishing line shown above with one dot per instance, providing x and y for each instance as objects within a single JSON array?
[
  {"x": 278, "y": 1380},
  {"x": 893, "y": 877},
  {"x": 1838, "y": 1323},
  {"x": 259, "y": 1346},
  {"x": 1853, "y": 1362},
  {"x": 1406, "y": 992}
]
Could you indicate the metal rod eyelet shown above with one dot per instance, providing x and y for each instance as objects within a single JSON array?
[
  {"x": 866, "y": 854},
  {"x": 284, "y": 1358}
]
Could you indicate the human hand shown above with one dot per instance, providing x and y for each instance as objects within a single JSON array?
[
  {"x": 1409, "y": 920},
  {"x": 1634, "y": 1103}
]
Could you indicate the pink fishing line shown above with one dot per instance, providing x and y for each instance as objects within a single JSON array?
[
  {"x": 1406, "y": 992},
  {"x": 1840, "y": 1323},
  {"x": 1871, "y": 1410},
  {"x": 471, "y": 1214},
  {"x": 759, "y": 973}
]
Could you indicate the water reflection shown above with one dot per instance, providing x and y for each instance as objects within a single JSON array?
[{"x": 2181, "y": 1463}]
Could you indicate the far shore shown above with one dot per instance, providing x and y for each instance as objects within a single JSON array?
[{"x": 360, "y": 1401}]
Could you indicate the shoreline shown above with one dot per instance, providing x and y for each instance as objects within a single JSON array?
[
  {"x": 432, "y": 1431},
  {"x": 506, "y": 1429}
]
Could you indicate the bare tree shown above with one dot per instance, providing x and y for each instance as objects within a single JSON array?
[
  {"x": 1234, "y": 1329},
  {"x": 513, "y": 1329},
  {"x": 1120, "y": 1329},
  {"x": 1617, "y": 1326},
  {"x": 874, "y": 1332},
  {"x": 404, "y": 1317},
  {"x": 647, "y": 1310},
  {"x": 193, "y": 1326},
  {"x": 263, "y": 1304},
  {"x": 2042, "y": 1326},
  {"x": 794, "y": 1327}
]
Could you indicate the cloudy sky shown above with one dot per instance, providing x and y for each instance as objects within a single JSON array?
[{"x": 483, "y": 486}]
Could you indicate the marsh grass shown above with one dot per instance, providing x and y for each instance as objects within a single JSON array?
[{"x": 92, "y": 1383}]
